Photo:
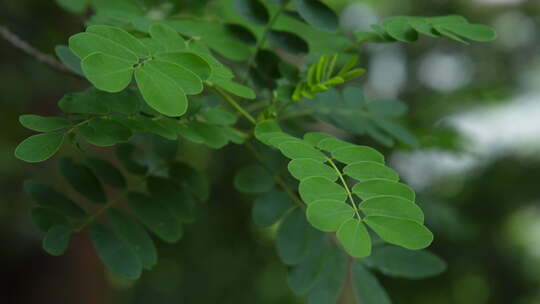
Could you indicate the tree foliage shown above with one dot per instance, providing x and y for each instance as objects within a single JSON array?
[{"x": 338, "y": 206}]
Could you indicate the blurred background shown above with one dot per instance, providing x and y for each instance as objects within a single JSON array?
[{"x": 475, "y": 109}]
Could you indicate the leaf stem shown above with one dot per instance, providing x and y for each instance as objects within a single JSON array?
[
  {"x": 342, "y": 179},
  {"x": 233, "y": 103}
]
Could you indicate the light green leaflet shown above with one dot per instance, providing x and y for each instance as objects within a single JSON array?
[
  {"x": 317, "y": 188},
  {"x": 364, "y": 170},
  {"x": 328, "y": 215},
  {"x": 302, "y": 168},
  {"x": 402, "y": 232},
  {"x": 392, "y": 206},
  {"x": 352, "y": 154},
  {"x": 355, "y": 238},
  {"x": 376, "y": 187},
  {"x": 165, "y": 74}
]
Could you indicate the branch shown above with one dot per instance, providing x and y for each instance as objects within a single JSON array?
[{"x": 22, "y": 45}]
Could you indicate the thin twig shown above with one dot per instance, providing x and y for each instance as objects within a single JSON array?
[{"x": 22, "y": 45}]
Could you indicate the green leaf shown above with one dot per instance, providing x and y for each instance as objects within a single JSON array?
[
  {"x": 317, "y": 188},
  {"x": 56, "y": 240},
  {"x": 126, "y": 102},
  {"x": 87, "y": 102},
  {"x": 84, "y": 44},
  {"x": 295, "y": 237},
  {"x": 114, "y": 253},
  {"x": 349, "y": 155},
  {"x": 270, "y": 207},
  {"x": 253, "y": 179},
  {"x": 421, "y": 25},
  {"x": 219, "y": 117},
  {"x": 187, "y": 80},
  {"x": 43, "y": 124},
  {"x": 214, "y": 136},
  {"x": 252, "y": 10},
  {"x": 69, "y": 59},
  {"x": 155, "y": 216},
  {"x": 235, "y": 88},
  {"x": 288, "y": 41},
  {"x": 317, "y": 14},
  {"x": 134, "y": 236},
  {"x": 402, "y": 263},
  {"x": 449, "y": 34},
  {"x": 364, "y": 170},
  {"x": 190, "y": 61},
  {"x": 107, "y": 172},
  {"x": 476, "y": 32},
  {"x": 302, "y": 168},
  {"x": 74, "y": 6},
  {"x": 355, "y": 239},
  {"x": 121, "y": 37},
  {"x": 376, "y": 187},
  {"x": 174, "y": 196},
  {"x": 82, "y": 179},
  {"x": 328, "y": 215},
  {"x": 46, "y": 218},
  {"x": 161, "y": 92},
  {"x": 46, "y": 196},
  {"x": 314, "y": 138},
  {"x": 107, "y": 73},
  {"x": 38, "y": 148},
  {"x": 387, "y": 107},
  {"x": 392, "y": 206},
  {"x": 298, "y": 149},
  {"x": 167, "y": 37},
  {"x": 400, "y": 29},
  {"x": 330, "y": 144},
  {"x": 405, "y": 233},
  {"x": 104, "y": 132},
  {"x": 367, "y": 288}
]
